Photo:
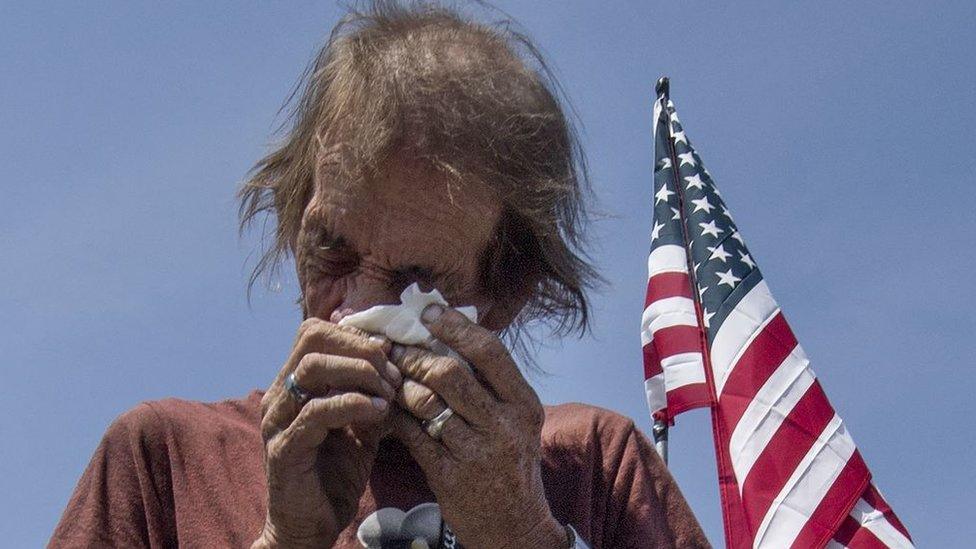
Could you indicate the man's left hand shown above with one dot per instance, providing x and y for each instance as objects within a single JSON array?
[{"x": 485, "y": 466}]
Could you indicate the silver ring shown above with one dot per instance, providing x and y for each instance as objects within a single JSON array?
[
  {"x": 435, "y": 427},
  {"x": 300, "y": 395}
]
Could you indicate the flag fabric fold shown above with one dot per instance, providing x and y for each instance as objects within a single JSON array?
[{"x": 713, "y": 336}]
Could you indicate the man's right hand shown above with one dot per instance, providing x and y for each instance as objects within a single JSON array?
[{"x": 318, "y": 456}]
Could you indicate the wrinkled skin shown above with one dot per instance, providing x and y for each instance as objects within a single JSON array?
[{"x": 360, "y": 246}]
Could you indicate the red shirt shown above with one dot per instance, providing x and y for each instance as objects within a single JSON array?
[{"x": 174, "y": 472}]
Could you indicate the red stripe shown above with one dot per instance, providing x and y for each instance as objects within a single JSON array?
[
  {"x": 665, "y": 285},
  {"x": 853, "y": 535},
  {"x": 675, "y": 340},
  {"x": 874, "y": 499},
  {"x": 652, "y": 363},
  {"x": 829, "y": 515},
  {"x": 779, "y": 459},
  {"x": 763, "y": 356},
  {"x": 688, "y": 397},
  {"x": 737, "y": 532}
]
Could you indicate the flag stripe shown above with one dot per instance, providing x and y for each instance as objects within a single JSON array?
[
  {"x": 687, "y": 397},
  {"x": 667, "y": 259},
  {"x": 765, "y": 414},
  {"x": 824, "y": 522},
  {"x": 682, "y": 369},
  {"x": 744, "y": 323},
  {"x": 875, "y": 521},
  {"x": 806, "y": 487},
  {"x": 654, "y": 390},
  {"x": 855, "y": 536},
  {"x": 782, "y": 454},
  {"x": 665, "y": 285},
  {"x": 672, "y": 311},
  {"x": 676, "y": 340},
  {"x": 874, "y": 498},
  {"x": 766, "y": 356}
]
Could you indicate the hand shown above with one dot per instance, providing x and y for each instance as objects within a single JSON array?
[
  {"x": 485, "y": 468},
  {"x": 318, "y": 456}
]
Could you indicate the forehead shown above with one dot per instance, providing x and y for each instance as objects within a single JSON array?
[{"x": 406, "y": 214}]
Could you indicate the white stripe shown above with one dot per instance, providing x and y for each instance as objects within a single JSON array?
[
  {"x": 683, "y": 369},
  {"x": 739, "y": 328},
  {"x": 766, "y": 412},
  {"x": 670, "y": 258},
  {"x": 877, "y": 524},
  {"x": 667, "y": 312},
  {"x": 832, "y": 544},
  {"x": 657, "y": 398},
  {"x": 805, "y": 489}
]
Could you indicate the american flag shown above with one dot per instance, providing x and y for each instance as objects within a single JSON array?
[{"x": 713, "y": 336}]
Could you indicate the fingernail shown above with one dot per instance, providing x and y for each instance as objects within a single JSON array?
[
  {"x": 432, "y": 313},
  {"x": 387, "y": 387},
  {"x": 393, "y": 374},
  {"x": 396, "y": 353},
  {"x": 378, "y": 339},
  {"x": 379, "y": 403}
]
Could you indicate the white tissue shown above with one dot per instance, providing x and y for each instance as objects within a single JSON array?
[{"x": 401, "y": 323}]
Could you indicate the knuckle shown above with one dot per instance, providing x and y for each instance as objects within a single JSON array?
[
  {"x": 268, "y": 431},
  {"x": 349, "y": 400},
  {"x": 442, "y": 370},
  {"x": 308, "y": 325},
  {"x": 493, "y": 349},
  {"x": 426, "y": 401}
]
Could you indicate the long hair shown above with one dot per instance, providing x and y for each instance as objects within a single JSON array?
[{"x": 475, "y": 102}]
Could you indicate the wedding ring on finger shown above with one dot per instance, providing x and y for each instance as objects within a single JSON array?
[
  {"x": 435, "y": 426},
  {"x": 300, "y": 395}
]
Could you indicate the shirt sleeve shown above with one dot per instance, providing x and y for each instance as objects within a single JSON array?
[
  {"x": 119, "y": 500},
  {"x": 645, "y": 504}
]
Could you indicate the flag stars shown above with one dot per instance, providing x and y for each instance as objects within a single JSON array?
[
  {"x": 701, "y": 292},
  {"x": 727, "y": 278},
  {"x": 695, "y": 181},
  {"x": 707, "y": 317},
  {"x": 737, "y": 236},
  {"x": 702, "y": 204},
  {"x": 718, "y": 252},
  {"x": 677, "y": 214},
  {"x": 663, "y": 194},
  {"x": 746, "y": 259},
  {"x": 656, "y": 231},
  {"x": 664, "y": 164},
  {"x": 710, "y": 228},
  {"x": 687, "y": 158},
  {"x": 725, "y": 211},
  {"x": 679, "y": 137}
]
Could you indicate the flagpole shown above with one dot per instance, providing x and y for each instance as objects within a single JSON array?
[{"x": 660, "y": 430}]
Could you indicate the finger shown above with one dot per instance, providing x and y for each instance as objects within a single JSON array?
[
  {"x": 319, "y": 336},
  {"x": 317, "y": 373},
  {"x": 424, "y": 404},
  {"x": 482, "y": 348},
  {"x": 450, "y": 379},
  {"x": 278, "y": 407},
  {"x": 429, "y": 453},
  {"x": 322, "y": 414},
  {"x": 320, "y": 374}
]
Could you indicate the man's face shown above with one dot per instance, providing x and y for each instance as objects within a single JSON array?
[{"x": 361, "y": 244}]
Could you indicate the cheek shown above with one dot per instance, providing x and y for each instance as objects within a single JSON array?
[{"x": 321, "y": 297}]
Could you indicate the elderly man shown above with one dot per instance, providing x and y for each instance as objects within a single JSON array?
[{"x": 425, "y": 149}]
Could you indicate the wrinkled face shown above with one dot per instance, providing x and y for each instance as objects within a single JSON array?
[{"x": 361, "y": 244}]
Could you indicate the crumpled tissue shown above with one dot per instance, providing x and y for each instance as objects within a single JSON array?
[{"x": 401, "y": 323}]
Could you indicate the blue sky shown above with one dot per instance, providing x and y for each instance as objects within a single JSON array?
[{"x": 840, "y": 133}]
